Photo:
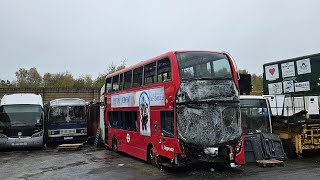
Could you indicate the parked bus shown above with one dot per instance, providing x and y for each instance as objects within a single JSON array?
[
  {"x": 66, "y": 120},
  {"x": 176, "y": 108},
  {"x": 21, "y": 121}
]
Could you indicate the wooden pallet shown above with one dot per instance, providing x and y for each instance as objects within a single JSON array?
[
  {"x": 269, "y": 163},
  {"x": 69, "y": 147}
]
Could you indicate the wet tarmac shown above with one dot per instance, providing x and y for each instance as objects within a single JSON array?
[{"x": 91, "y": 163}]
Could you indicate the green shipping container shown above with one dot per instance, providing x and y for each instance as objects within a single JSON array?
[{"x": 297, "y": 76}]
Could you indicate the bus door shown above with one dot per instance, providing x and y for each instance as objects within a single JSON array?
[
  {"x": 167, "y": 141},
  {"x": 130, "y": 136}
]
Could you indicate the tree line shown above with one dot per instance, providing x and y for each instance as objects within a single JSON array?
[{"x": 31, "y": 78}]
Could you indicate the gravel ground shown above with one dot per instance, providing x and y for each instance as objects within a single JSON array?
[{"x": 90, "y": 163}]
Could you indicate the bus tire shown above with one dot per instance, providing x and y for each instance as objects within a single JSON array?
[
  {"x": 114, "y": 144},
  {"x": 44, "y": 146},
  {"x": 150, "y": 155}
]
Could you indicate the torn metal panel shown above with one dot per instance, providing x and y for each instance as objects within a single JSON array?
[{"x": 208, "y": 112}]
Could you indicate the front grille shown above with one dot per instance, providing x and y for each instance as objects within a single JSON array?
[
  {"x": 68, "y": 131},
  {"x": 25, "y": 131}
]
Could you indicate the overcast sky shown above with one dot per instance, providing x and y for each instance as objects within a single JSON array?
[{"x": 84, "y": 36}]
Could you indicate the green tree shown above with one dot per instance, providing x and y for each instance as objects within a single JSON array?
[
  {"x": 99, "y": 82},
  {"x": 6, "y": 84},
  {"x": 257, "y": 83},
  {"x": 58, "y": 80},
  {"x": 34, "y": 78},
  {"x": 28, "y": 78},
  {"x": 88, "y": 82},
  {"x": 67, "y": 80},
  {"x": 21, "y": 76},
  {"x": 48, "y": 80},
  {"x": 79, "y": 83},
  {"x": 84, "y": 82}
]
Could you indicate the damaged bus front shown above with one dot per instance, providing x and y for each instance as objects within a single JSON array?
[{"x": 208, "y": 107}]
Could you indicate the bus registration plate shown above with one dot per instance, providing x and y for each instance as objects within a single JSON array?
[
  {"x": 19, "y": 144},
  {"x": 67, "y": 138}
]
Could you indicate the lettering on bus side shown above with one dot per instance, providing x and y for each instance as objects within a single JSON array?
[
  {"x": 156, "y": 96},
  {"x": 125, "y": 100},
  {"x": 166, "y": 148}
]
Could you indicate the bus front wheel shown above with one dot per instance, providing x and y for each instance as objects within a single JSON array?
[
  {"x": 114, "y": 144},
  {"x": 151, "y": 156}
]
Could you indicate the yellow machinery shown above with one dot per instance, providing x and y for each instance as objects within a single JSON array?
[{"x": 298, "y": 129}]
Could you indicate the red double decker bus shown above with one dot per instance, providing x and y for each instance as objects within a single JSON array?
[{"x": 176, "y": 108}]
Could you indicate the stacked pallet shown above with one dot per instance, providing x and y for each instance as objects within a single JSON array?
[
  {"x": 69, "y": 147},
  {"x": 269, "y": 163}
]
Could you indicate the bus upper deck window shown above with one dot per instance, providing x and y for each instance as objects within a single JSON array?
[
  {"x": 164, "y": 70},
  {"x": 121, "y": 82},
  {"x": 150, "y": 73},
  {"x": 115, "y": 83},
  {"x": 127, "y": 80},
  {"x": 108, "y": 85},
  {"x": 137, "y": 77}
]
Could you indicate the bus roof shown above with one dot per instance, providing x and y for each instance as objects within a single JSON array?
[
  {"x": 164, "y": 55},
  {"x": 68, "y": 102},
  {"x": 22, "y": 98}
]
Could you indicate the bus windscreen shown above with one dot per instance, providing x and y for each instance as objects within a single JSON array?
[
  {"x": 20, "y": 115},
  {"x": 254, "y": 116},
  {"x": 67, "y": 114},
  {"x": 203, "y": 65}
]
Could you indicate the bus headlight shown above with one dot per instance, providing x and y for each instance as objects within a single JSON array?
[
  {"x": 237, "y": 148},
  {"x": 82, "y": 131},
  {"x": 53, "y": 132}
]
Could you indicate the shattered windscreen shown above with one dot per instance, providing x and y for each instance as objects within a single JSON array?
[
  {"x": 208, "y": 105},
  {"x": 67, "y": 114}
]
